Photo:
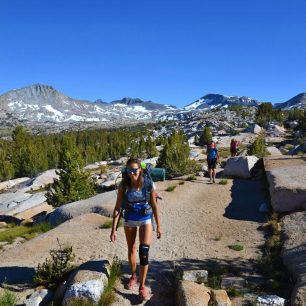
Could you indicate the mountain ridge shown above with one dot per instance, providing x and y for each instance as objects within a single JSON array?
[{"x": 42, "y": 103}]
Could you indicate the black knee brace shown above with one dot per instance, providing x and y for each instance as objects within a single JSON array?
[{"x": 144, "y": 254}]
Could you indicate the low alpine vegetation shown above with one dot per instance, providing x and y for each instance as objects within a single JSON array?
[
  {"x": 258, "y": 147},
  {"x": 170, "y": 188},
  {"x": 223, "y": 181},
  {"x": 191, "y": 178},
  {"x": 175, "y": 156},
  {"x": 55, "y": 270},
  {"x": 8, "y": 298},
  {"x": 236, "y": 247},
  {"x": 24, "y": 231},
  {"x": 109, "y": 223},
  {"x": 108, "y": 296}
]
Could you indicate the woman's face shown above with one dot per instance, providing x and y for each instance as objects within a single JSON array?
[{"x": 133, "y": 171}]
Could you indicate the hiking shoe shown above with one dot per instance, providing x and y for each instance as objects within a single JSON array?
[
  {"x": 209, "y": 181},
  {"x": 144, "y": 294},
  {"x": 132, "y": 283},
  {"x": 214, "y": 181}
]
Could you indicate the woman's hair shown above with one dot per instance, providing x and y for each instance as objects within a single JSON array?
[{"x": 126, "y": 182}]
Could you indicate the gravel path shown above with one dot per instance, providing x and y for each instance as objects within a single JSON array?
[{"x": 199, "y": 220}]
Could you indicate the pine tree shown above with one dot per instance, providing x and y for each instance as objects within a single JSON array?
[
  {"x": 25, "y": 154},
  {"x": 73, "y": 184},
  {"x": 175, "y": 155},
  {"x": 151, "y": 147},
  {"x": 258, "y": 147},
  {"x": 206, "y": 136}
]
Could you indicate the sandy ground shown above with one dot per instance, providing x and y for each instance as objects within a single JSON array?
[{"x": 199, "y": 220}]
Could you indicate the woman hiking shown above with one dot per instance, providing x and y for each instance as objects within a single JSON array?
[
  {"x": 234, "y": 147},
  {"x": 137, "y": 192}
]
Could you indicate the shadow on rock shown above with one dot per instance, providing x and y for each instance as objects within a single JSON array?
[
  {"x": 17, "y": 275},
  {"x": 247, "y": 196}
]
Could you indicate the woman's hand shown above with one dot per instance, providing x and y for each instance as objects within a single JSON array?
[
  {"x": 113, "y": 235},
  {"x": 158, "y": 232}
]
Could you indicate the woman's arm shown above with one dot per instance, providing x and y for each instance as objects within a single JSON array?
[
  {"x": 116, "y": 214},
  {"x": 156, "y": 213}
]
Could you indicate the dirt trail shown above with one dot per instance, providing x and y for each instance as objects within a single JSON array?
[{"x": 199, "y": 221}]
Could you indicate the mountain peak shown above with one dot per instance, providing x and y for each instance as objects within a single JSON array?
[
  {"x": 211, "y": 101},
  {"x": 129, "y": 101},
  {"x": 298, "y": 101}
]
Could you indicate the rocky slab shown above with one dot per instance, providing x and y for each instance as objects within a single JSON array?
[
  {"x": 17, "y": 202},
  {"x": 191, "y": 294},
  {"x": 274, "y": 151},
  {"x": 41, "y": 181},
  {"x": 12, "y": 183},
  {"x": 87, "y": 282},
  {"x": 294, "y": 253},
  {"x": 287, "y": 182},
  {"x": 102, "y": 204},
  {"x": 240, "y": 166},
  {"x": 83, "y": 233}
]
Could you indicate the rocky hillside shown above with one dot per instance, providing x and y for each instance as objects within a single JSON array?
[{"x": 43, "y": 103}]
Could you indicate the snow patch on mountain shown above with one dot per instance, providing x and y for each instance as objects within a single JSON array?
[
  {"x": 50, "y": 109},
  {"x": 139, "y": 108}
]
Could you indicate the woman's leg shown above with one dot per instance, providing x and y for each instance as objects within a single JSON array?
[
  {"x": 130, "y": 234},
  {"x": 145, "y": 236}
]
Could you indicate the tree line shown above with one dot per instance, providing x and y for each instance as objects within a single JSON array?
[
  {"x": 265, "y": 114},
  {"x": 26, "y": 155}
]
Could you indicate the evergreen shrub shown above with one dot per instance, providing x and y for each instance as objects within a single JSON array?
[
  {"x": 175, "y": 156},
  {"x": 55, "y": 270}
]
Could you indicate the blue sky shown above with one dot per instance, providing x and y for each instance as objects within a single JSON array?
[{"x": 163, "y": 50}]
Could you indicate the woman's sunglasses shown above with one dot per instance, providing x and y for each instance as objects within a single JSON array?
[{"x": 133, "y": 170}]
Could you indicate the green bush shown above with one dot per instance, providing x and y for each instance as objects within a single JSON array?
[
  {"x": 206, "y": 136},
  {"x": 8, "y": 298},
  {"x": 191, "y": 178},
  {"x": 103, "y": 169},
  {"x": 223, "y": 181},
  {"x": 175, "y": 156},
  {"x": 55, "y": 270},
  {"x": 109, "y": 223},
  {"x": 236, "y": 247},
  {"x": 270, "y": 264},
  {"x": 258, "y": 147},
  {"x": 170, "y": 188},
  {"x": 73, "y": 184},
  {"x": 108, "y": 296},
  {"x": 300, "y": 153}
]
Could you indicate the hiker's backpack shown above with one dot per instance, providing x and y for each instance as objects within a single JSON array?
[
  {"x": 212, "y": 153},
  {"x": 150, "y": 175}
]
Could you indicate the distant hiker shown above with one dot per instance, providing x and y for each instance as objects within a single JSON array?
[
  {"x": 137, "y": 192},
  {"x": 212, "y": 159},
  {"x": 234, "y": 147}
]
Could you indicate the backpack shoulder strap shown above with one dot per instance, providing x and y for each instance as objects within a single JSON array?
[
  {"x": 123, "y": 186},
  {"x": 148, "y": 184}
]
